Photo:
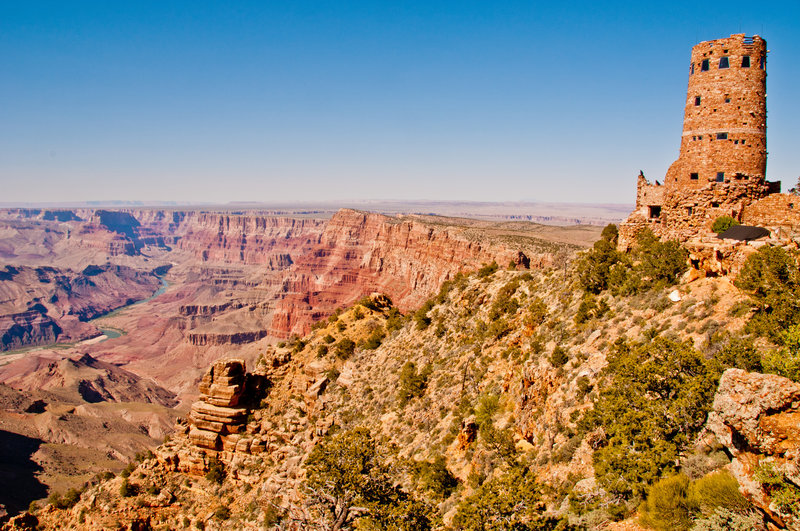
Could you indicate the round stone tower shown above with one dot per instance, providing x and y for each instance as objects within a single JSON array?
[{"x": 725, "y": 120}]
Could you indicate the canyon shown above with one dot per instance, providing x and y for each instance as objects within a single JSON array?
[{"x": 149, "y": 298}]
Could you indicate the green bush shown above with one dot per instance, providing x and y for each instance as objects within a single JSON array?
[
  {"x": 375, "y": 339},
  {"x": 126, "y": 489},
  {"x": 656, "y": 401},
  {"x": 726, "y": 520},
  {"x": 345, "y": 348},
  {"x": 322, "y": 351},
  {"x": 667, "y": 507},
  {"x": 222, "y": 513},
  {"x": 412, "y": 384},
  {"x": 718, "y": 490},
  {"x": 511, "y": 501},
  {"x": 345, "y": 475},
  {"x": 786, "y": 361},
  {"x": 772, "y": 279},
  {"x": 784, "y": 494},
  {"x": 559, "y": 357},
  {"x": 488, "y": 270},
  {"x": 435, "y": 477},
  {"x": 421, "y": 315},
  {"x": 723, "y": 223},
  {"x": 216, "y": 471}
]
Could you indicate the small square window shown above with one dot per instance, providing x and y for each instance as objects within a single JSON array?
[
  {"x": 722, "y": 136},
  {"x": 696, "y": 101},
  {"x": 655, "y": 212},
  {"x": 714, "y": 205},
  {"x": 791, "y": 206},
  {"x": 720, "y": 176},
  {"x": 723, "y": 62},
  {"x": 694, "y": 176},
  {"x": 727, "y": 100},
  {"x": 700, "y": 137},
  {"x": 746, "y": 61},
  {"x": 735, "y": 141},
  {"x": 689, "y": 210},
  {"x": 742, "y": 141},
  {"x": 704, "y": 65}
]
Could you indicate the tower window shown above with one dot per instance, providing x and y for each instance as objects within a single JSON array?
[
  {"x": 691, "y": 70},
  {"x": 720, "y": 176},
  {"x": 762, "y": 62},
  {"x": 736, "y": 142},
  {"x": 704, "y": 65},
  {"x": 689, "y": 211},
  {"x": 694, "y": 176},
  {"x": 727, "y": 100},
  {"x": 722, "y": 136},
  {"x": 696, "y": 101},
  {"x": 746, "y": 61},
  {"x": 714, "y": 205},
  {"x": 655, "y": 212},
  {"x": 723, "y": 62}
]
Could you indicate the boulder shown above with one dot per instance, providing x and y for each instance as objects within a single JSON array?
[{"x": 757, "y": 418}]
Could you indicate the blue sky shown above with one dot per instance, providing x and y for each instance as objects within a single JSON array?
[{"x": 281, "y": 101}]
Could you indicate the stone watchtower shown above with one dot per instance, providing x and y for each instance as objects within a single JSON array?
[{"x": 723, "y": 156}]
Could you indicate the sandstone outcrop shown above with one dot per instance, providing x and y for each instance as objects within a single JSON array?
[{"x": 757, "y": 419}]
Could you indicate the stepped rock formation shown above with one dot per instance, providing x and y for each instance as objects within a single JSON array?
[
  {"x": 757, "y": 418},
  {"x": 217, "y": 425}
]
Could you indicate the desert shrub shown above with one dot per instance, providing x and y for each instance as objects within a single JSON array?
[
  {"x": 772, "y": 279},
  {"x": 329, "y": 339},
  {"x": 537, "y": 312},
  {"x": 70, "y": 498},
  {"x": 488, "y": 270},
  {"x": 610, "y": 233},
  {"x": 126, "y": 472},
  {"x": 412, "y": 384},
  {"x": 511, "y": 501},
  {"x": 216, "y": 471},
  {"x": 345, "y": 475},
  {"x": 731, "y": 351},
  {"x": 322, "y": 351},
  {"x": 718, "y": 489},
  {"x": 222, "y": 513},
  {"x": 594, "y": 267},
  {"x": 498, "y": 328},
  {"x": 488, "y": 405},
  {"x": 126, "y": 489},
  {"x": 657, "y": 399},
  {"x": 421, "y": 315},
  {"x": 394, "y": 320},
  {"x": 726, "y": 520},
  {"x": 584, "y": 387},
  {"x": 667, "y": 507},
  {"x": 784, "y": 494},
  {"x": 660, "y": 262},
  {"x": 559, "y": 356},
  {"x": 358, "y": 313},
  {"x": 345, "y": 348},
  {"x": 435, "y": 477},
  {"x": 786, "y": 361},
  {"x": 375, "y": 339},
  {"x": 723, "y": 223}
]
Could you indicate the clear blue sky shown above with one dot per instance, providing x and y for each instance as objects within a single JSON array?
[{"x": 275, "y": 101}]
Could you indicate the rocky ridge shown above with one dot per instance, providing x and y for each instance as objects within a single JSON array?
[{"x": 474, "y": 350}]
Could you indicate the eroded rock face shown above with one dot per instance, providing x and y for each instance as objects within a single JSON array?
[
  {"x": 757, "y": 418},
  {"x": 218, "y": 412}
]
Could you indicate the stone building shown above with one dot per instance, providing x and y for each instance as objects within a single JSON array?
[{"x": 721, "y": 169}]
